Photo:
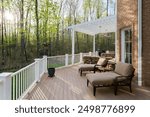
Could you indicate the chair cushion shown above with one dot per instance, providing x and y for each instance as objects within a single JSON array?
[
  {"x": 86, "y": 67},
  {"x": 105, "y": 78},
  {"x": 102, "y": 61},
  {"x": 124, "y": 69},
  {"x": 87, "y": 59}
]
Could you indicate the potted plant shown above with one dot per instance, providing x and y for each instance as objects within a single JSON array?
[{"x": 51, "y": 72}]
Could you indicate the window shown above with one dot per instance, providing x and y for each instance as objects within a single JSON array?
[{"x": 126, "y": 36}]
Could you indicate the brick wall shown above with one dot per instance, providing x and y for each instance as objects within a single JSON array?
[
  {"x": 146, "y": 42},
  {"x": 127, "y": 15}
]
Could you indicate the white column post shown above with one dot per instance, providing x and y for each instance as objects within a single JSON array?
[
  {"x": 73, "y": 45},
  {"x": 5, "y": 86},
  {"x": 140, "y": 42},
  {"x": 81, "y": 57},
  {"x": 96, "y": 53},
  {"x": 45, "y": 64},
  {"x": 37, "y": 69},
  {"x": 66, "y": 60},
  {"x": 116, "y": 41},
  {"x": 90, "y": 53},
  {"x": 116, "y": 54},
  {"x": 94, "y": 44}
]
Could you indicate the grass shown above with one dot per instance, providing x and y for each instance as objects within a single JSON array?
[{"x": 55, "y": 65}]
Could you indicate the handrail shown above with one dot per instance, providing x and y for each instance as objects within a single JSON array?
[
  {"x": 55, "y": 56},
  {"x": 24, "y": 78},
  {"x": 22, "y": 69}
]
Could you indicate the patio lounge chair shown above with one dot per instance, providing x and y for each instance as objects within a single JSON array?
[
  {"x": 121, "y": 76},
  {"x": 102, "y": 62}
]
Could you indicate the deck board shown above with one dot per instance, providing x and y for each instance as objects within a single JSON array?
[{"x": 69, "y": 85}]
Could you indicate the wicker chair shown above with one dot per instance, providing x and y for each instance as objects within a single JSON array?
[
  {"x": 102, "y": 62},
  {"x": 121, "y": 76}
]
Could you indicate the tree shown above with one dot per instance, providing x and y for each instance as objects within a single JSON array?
[
  {"x": 37, "y": 28},
  {"x": 23, "y": 45},
  {"x": 2, "y": 17}
]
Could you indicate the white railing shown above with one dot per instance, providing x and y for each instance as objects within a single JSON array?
[
  {"x": 22, "y": 80},
  {"x": 77, "y": 58},
  {"x": 56, "y": 61},
  {"x": 16, "y": 85}
]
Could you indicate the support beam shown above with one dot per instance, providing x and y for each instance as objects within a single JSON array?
[
  {"x": 5, "y": 86},
  {"x": 116, "y": 53},
  {"x": 94, "y": 44},
  {"x": 116, "y": 41},
  {"x": 140, "y": 42},
  {"x": 73, "y": 45}
]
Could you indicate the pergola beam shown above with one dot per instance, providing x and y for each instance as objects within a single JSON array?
[{"x": 102, "y": 25}]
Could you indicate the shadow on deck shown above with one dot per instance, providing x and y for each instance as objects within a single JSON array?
[{"x": 68, "y": 85}]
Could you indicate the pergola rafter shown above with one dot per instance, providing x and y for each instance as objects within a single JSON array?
[{"x": 102, "y": 25}]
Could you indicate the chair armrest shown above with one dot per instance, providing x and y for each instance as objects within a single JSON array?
[
  {"x": 123, "y": 78},
  {"x": 95, "y": 66}
]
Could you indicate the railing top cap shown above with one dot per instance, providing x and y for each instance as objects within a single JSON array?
[
  {"x": 5, "y": 74},
  {"x": 37, "y": 59}
]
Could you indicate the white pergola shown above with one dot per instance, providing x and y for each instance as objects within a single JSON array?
[{"x": 103, "y": 25}]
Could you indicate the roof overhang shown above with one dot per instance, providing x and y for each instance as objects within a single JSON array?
[{"x": 102, "y": 25}]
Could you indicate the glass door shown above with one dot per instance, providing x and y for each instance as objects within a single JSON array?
[{"x": 126, "y": 36}]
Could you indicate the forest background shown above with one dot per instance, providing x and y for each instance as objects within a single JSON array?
[{"x": 30, "y": 29}]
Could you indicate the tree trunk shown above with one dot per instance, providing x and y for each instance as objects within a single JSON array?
[
  {"x": 107, "y": 7},
  {"x": 37, "y": 27},
  {"x": 2, "y": 33},
  {"x": 23, "y": 45},
  {"x": 75, "y": 22}
]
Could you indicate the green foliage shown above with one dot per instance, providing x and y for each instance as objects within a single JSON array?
[{"x": 54, "y": 39}]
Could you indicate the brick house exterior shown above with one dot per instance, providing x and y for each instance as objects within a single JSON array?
[
  {"x": 127, "y": 17},
  {"x": 146, "y": 41}
]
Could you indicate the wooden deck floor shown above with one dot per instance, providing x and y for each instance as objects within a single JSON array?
[{"x": 68, "y": 85}]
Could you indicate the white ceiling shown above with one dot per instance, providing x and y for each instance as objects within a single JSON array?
[{"x": 102, "y": 25}]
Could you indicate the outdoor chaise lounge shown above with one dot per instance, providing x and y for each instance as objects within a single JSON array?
[
  {"x": 91, "y": 67},
  {"x": 121, "y": 76}
]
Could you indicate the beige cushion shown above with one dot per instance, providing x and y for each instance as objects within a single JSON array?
[
  {"x": 124, "y": 69},
  {"x": 102, "y": 61},
  {"x": 104, "y": 78},
  {"x": 86, "y": 67}
]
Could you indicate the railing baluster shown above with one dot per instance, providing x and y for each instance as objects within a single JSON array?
[
  {"x": 16, "y": 86},
  {"x": 21, "y": 82},
  {"x": 25, "y": 84},
  {"x": 26, "y": 79},
  {"x": 27, "y": 76},
  {"x": 19, "y": 85},
  {"x": 13, "y": 90}
]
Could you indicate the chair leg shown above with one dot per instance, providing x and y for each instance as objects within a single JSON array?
[
  {"x": 94, "y": 70},
  {"x": 130, "y": 88},
  {"x": 80, "y": 72},
  {"x": 94, "y": 90},
  {"x": 87, "y": 82},
  {"x": 115, "y": 89}
]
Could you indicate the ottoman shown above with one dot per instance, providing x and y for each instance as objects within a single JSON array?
[
  {"x": 104, "y": 79},
  {"x": 86, "y": 67}
]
